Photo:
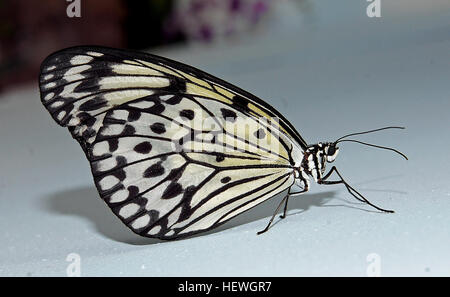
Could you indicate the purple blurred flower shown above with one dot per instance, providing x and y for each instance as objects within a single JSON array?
[{"x": 206, "y": 20}]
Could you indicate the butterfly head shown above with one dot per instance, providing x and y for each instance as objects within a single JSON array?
[
  {"x": 330, "y": 151},
  {"x": 316, "y": 157},
  {"x": 326, "y": 153}
]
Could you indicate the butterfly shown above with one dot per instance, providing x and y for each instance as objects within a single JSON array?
[{"x": 175, "y": 151}]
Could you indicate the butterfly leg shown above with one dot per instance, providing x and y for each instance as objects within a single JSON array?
[
  {"x": 274, "y": 214},
  {"x": 289, "y": 195},
  {"x": 351, "y": 190},
  {"x": 285, "y": 207}
]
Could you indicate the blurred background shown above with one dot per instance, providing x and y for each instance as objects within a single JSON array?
[
  {"x": 332, "y": 67},
  {"x": 30, "y": 30}
]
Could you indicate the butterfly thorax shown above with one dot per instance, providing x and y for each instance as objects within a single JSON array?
[{"x": 315, "y": 158}]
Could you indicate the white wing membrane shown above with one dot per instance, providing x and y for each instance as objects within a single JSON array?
[{"x": 172, "y": 152}]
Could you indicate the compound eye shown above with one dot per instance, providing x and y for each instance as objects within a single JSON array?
[{"x": 331, "y": 150}]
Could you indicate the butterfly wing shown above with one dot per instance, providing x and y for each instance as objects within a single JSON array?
[{"x": 173, "y": 150}]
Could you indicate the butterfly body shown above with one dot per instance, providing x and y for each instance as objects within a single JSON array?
[{"x": 173, "y": 150}]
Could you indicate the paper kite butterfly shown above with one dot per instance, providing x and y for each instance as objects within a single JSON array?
[{"x": 173, "y": 150}]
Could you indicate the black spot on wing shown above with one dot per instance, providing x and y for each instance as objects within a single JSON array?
[
  {"x": 133, "y": 191},
  {"x": 158, "y": 128},
  {"x": 129, "y": 130},
  {"x": 109, "y": 120},
  {"x": 174, "y": 100},
  {"x": 220, "y": 157},
  {"x": 228, "y": 114},
  {"x": 187, "y": 113},
  {"x": 186, "y": 210},
  {"x": 133, "y": 115},
  {"x": 225, "y": 179},
  {"x": 240, "y": 103},
  {"x": 121, "y": 161},
  {"x": 113, "y": 144},
  {"x": 154, "y": 170},
  {"x": 143, "y": 147},
  {"x": 172, "y": 190},
  {"x": 158, "y": 108},
  {"x": 176, "y": 173},
  {"x": 260, "y": 133}
]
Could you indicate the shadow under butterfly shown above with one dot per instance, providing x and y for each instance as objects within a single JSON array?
[{"x": 84, "y": 202}]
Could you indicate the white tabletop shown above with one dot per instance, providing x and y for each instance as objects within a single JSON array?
[{"x": 331, "y": 71}]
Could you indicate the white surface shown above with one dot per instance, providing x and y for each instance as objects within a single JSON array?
[{"x": 338, "y": 72}]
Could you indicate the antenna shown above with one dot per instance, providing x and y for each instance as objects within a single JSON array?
[
  {"x": 374, "y": 145},
  {"x": 370, "y": 131}
]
